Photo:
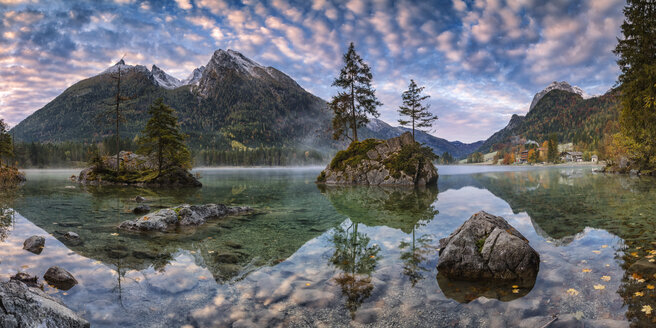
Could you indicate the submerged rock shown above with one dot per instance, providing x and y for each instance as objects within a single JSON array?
[
  {"x": 487, "y": 247},
  {"x": 141, "y": 209},
  {"x": 26, "y": 278},
  {"x": 60, "y": 278},
  {"x": 34, "y": 244},
  {"x": 396, "y": 161},
  {"x": 183, "y": 215},
  {"x": 23, "y": 306},
  {"x": 139, "y": 199}
]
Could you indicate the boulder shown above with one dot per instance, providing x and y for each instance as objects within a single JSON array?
[
  {"x": 139, "y": 199},
  {"x": 60, "y": 278},
  {"x": 183, "y": 215},
  {"x": 23, "y": 306},
  {"x": 141, "y": 209},
  {"x": 34, "y": 244},
  {"x": 487, "y": 247},
  {"x": 28, "y": 279},
  {"x": 396, "y": 161}
]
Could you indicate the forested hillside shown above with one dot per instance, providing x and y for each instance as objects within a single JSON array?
[{"x": 567, "y": 115}]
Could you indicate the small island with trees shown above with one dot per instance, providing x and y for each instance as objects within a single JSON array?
[
  {"x": 396, "y": 161},
  {"x": 9, "y": 175}
]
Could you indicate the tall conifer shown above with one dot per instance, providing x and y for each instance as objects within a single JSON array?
[{"x": 413, "y": 108}]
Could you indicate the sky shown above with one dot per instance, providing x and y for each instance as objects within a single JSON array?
[{"x": 481, "y": 61}]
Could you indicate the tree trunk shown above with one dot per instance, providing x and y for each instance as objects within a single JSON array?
[
  {"x": 118, "y": 99},
  {"x": 354, "y": 121},
  {"x": 159, "y": 156}
]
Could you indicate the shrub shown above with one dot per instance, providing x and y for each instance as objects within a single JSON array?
[{"x": 354, "y": 154}]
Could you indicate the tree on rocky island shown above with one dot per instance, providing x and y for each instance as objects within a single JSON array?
[
  {"x": 357, "y": 102},
  {"x": 114, "y": 114},
  {"x": 413, "y": 108},
  {"x": 6, "y": 145},
  {"x": 637, "y": 81},
  {"x": 162, "y": 137}
]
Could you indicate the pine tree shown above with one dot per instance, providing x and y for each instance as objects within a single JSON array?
[
  {"x": 162, "y": 138},
  {"x": 552, "y": 149},
  {"x": 413, "y": 107},
  {"x": 6, "y": 145},
  {"x": 353, "y": 106},
  {"x": 637, "y": 81}
]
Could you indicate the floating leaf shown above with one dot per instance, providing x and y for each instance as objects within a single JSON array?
[
  {"x": 641, "y": 280},
  {"x": 211, "y": 252},
  {"x": 650, "y": 286},
  {"x": 607, "y": 265},
  {"x": 307, "y": 284},
  {"x": 572, "y": 292},
  {"x": 605, "y": 278},
  {"x": 599, "y": 287},
  {"x": 651, "y": 260},
  {"x": 515, "y": 286},
  {"x": 635, "y": 254},
  {"x": 24, "y": 266},
  {"x": 636, "y": 276},
  {"x": 604, "y": 246},
  {"x": 597, "y": 252},
  {"x": 114, "y": 234},
  {"x": 586, "y": 270},
  {"x": 646, "y": 309},
  {"x": 202, "y": 278},
  {"x": 637, "y": 294},
  {"x": 515, "y": 291}
]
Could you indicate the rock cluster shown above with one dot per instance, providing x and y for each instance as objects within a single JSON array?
[
  {"x": 396, "y": 161},
  {"x": 24, "y": 306},
  {"x": 487, "y": 247},
  {"x": 183, "y": 215}
]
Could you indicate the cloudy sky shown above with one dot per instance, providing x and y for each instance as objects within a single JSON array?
[{"x": 480, "y": 60}]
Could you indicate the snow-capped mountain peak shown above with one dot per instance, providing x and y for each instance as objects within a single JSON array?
[
  {"x": 235, "y": 60},
  {"x": 557, "y": 86},
  {"x": 124, "y": 68},
  {"x": 194, "y": 77},
  {"x": 165, "y": 80}
]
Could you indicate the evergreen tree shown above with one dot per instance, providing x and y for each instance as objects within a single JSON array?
[
  {"x": 162, "y": 138},
  {"x": 447, "y": 158},
  {"x": 6, "y": 145},
  {"x": 358, "y": 101},
  {"x": 637, "y": 81},
  {"x": 418, "y": 114},
  {"x": 552, "y": 149}
]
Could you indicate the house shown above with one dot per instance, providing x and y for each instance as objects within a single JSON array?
[
  {"x": 594, "y": 159},
  {"x": 523, "y": 157},
  {"x": 571, "y": 156}
]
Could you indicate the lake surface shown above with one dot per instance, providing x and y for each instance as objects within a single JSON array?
[{"x": 342, "y": 256}]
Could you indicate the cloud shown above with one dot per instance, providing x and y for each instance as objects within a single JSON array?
[{"x": 481, "y": 60}]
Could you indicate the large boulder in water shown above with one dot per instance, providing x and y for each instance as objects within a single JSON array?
[
  {"x": 34, "y": 244},
  {"x": 23, "y": 306},
  {"x": 183, "y": 215},
  {"x": 487, "y": 247},
  {"x": 396, "y": 161},
  {"x": 60, "y": 278}
]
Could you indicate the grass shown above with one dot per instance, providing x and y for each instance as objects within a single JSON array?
[{"x": 354, "y": 155}]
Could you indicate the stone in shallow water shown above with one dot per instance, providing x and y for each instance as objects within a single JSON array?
[
  {"x": 183, "y": 215},
  {"x": 23, "y": 306},
  {"x": 34, "y": 244},
  {"x": 487, "y": 247},
  {"x": 28, "y": 279},
  {"x": 60, "y": 278},
  {"x": 141, "y": 209}
]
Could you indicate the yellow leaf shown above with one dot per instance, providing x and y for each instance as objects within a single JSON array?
[
  {"x": 652, "y": 252},
  {"x": 650, "y": 286},
  {"x": 605, "y": 278},
  {"x": 646, "y": 309},
  {"x": 636, "y": 276},
  {"x": 651, "y": 260},
  {"x": 639, "y": 247},
  {"x": 641, "y": 280},
  {"x": 597, "y": 252},
  {"x": 211, "y": 252},
  {"x": 114, "y": 234},
  {"x": 607, "y": 265},
  {"x": 572, "y": 292},
  {"x": 635, "y": 254},
  {"x": 202, "y": 278},
  {"x": 515, "y": 291},
  {"x": 24, "y": 266},
  {"x": 604, "y": 246},
  {"x": 586, "y": 270},
  {"x": 307, "y": 284},
  {"x": 193, "y": 252},
  {"x": 639, "y": 294},
  {"x": 515, "y": 286},
  {"x": 599, "y": 287}
]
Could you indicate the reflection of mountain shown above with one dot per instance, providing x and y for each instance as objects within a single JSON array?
[
  {"x": 229, "y": 248},
  {"x": 398, "y": 208}
]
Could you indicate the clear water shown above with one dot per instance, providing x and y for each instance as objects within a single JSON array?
[{"x": 347, "y": 256}]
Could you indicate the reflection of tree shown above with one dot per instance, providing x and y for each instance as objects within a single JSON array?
[
  {"x": 7, "y": 213},
  {"x": 415, "y": 256},
  {"x": 357, "y": 260}
]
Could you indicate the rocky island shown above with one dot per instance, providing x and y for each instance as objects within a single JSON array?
[
  {"x": 135, "y": 170},
  {"x": 180, "y": 216},
  {"x": 396, "y": 161}
]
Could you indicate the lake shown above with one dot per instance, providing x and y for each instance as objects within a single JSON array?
[{"x": 342, "y": 256}]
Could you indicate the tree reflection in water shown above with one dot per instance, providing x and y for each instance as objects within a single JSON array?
[
  {"x": 415, "y": 256},
  {"x": 357, "y": 260}
]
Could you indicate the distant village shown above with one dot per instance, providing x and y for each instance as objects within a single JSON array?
[{"x": 523, "y": 151}]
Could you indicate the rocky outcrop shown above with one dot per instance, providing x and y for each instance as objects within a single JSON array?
[
  {"x": 28, "y": 279},
  {"x": 10, "y": 176},
  {"x": 396, "y": 161},
  {"x": 60, "y": 278},
  {"x": 135, "y": 170},
  {"x": 23, "y": 306},
  {"x": 141, "y": 209},
  {"x": 34, "y": 244},
  {"x": 183, "y": 215},
  {"x": 487, "y": 247}
]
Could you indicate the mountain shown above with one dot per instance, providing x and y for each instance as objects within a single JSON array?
[
  {"x": 556, "y": 86},
  {"x": 232, "y": 102},
  {"x": 379, "y": 129},
  {"x": 562, "y": 110}
]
